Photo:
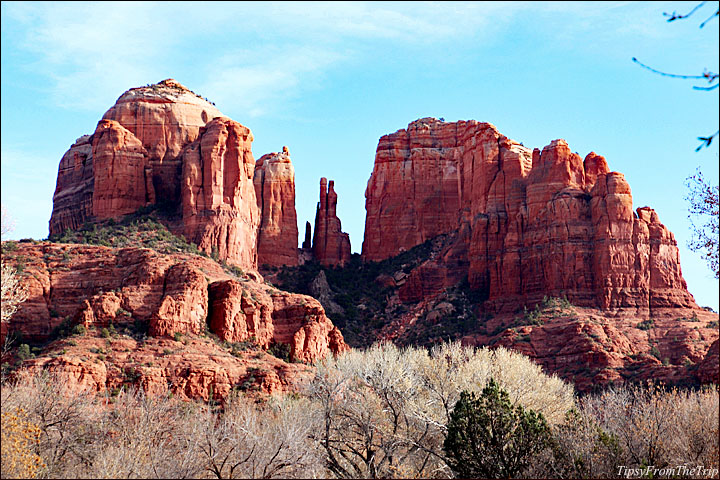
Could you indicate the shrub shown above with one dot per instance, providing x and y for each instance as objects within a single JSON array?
[
  {"x": 658, "y": 426},
  {"x": 581, "y": 448},
  {"x": 646, "y": 324},
  {"x": 104, "y": 333},
  {"x": 398, "y": 402},
  {"x": 141, "y": 327},
  {"x": 20, "y": 437},
  {"x": 238, "y": 347},
  {"x": 23, "y": 351},
  {"x": 13, "y": 291},
  {"x": 79, "y": 329},
  {"x": 281, "y": 351},
  {"x": 132, "y": 374},
  {"x": 489, "y": 437},
  {"x": 63, "y": 329},
  {"x": 655, "y": 352}
]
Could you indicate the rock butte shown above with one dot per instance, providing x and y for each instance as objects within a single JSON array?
[
  {"x": 520, "y": 225},
  {"x": 526, "y": 224}
]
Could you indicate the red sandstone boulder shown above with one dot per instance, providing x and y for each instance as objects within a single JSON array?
[
  {"x": 331, "y": 246},
  {"x": 184, "y": 306},
  {"x": 246, "y": 311},
  {"x": 275, "y": 192}
]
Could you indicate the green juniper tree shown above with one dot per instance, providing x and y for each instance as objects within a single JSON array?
[{"x": 489, "y": 437}]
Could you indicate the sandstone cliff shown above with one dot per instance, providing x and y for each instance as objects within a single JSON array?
[
  {"x": 165, "y": 117},
  {"x": 171, "y": 295},
  {"x": 219, "y": 209},
  {"x": 330, "y": 246},
  {"x": 526, "y": 224},
  {"x": 275, "y": 192}
]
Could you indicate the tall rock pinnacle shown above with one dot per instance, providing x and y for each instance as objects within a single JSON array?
[
  {"x": 275, "y": 191},
  {"x": 331, "y": 246}
]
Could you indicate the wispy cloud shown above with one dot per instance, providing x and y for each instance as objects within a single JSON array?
[
  {"x": 92, "y": 52},
  {"x": 252, "y": 82},
  {"x": 252, "y": 54}
]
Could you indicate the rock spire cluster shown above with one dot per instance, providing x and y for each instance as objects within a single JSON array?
[
  {"x": 164, "y": 145},
  {"x": 526, "y": 223}
]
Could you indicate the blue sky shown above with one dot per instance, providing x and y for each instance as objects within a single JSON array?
[{"x": 328, "y": 79}]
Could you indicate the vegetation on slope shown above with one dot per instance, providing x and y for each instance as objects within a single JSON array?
[
  {"x": 140, "y": 229},
  {"x": 385, "y": 412},
  {"x": 363, "y": 300}
]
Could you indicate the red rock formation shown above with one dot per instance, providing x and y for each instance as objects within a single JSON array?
[
  {"x": 184, "y": 306},
  {"x": 331, "y": 246},
  {"x": 275, "y": 192},
  {"x": 589, "y": 346},
  {"x": 241, "y": 311},
  {"x": 219, "y": 207},
  {"x": 165, "y": 117},
  {"x": 163, "y": 144},
  {"x": 194, "y": 368},
  {"x": 307, "y": 243},
  {"x": 709, "y": 368},
  {"x": 98, "y": 286},
  {"x": 73, "y": 198},
  {"x": 413, "y": 192},
  {"x": 123, "y": 178},
  {"x": 528, "y": 224}
]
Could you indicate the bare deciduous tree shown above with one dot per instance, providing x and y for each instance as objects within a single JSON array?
[
  {"x": 704, "y": 200},
  {"x": 385, "y": 410},
  {"x": 273, "y": 441}
]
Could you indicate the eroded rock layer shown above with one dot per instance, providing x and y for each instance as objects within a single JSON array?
[
  {"x": 173, "y": 295},
  {"x": 165, "y": 117},
  {"x": 527, "y": 223},
  {"x": 275, "y": 192}
]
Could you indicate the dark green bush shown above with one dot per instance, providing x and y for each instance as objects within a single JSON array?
[
  {"x": 79, "y": 330},
  {"x": 141, "y": 327},
  {"x": 23, "y": 351},
  {"x": 489, "y": 437},
  {"x": 646, "y": 324},
  {"x": 281, "y": 351}
]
